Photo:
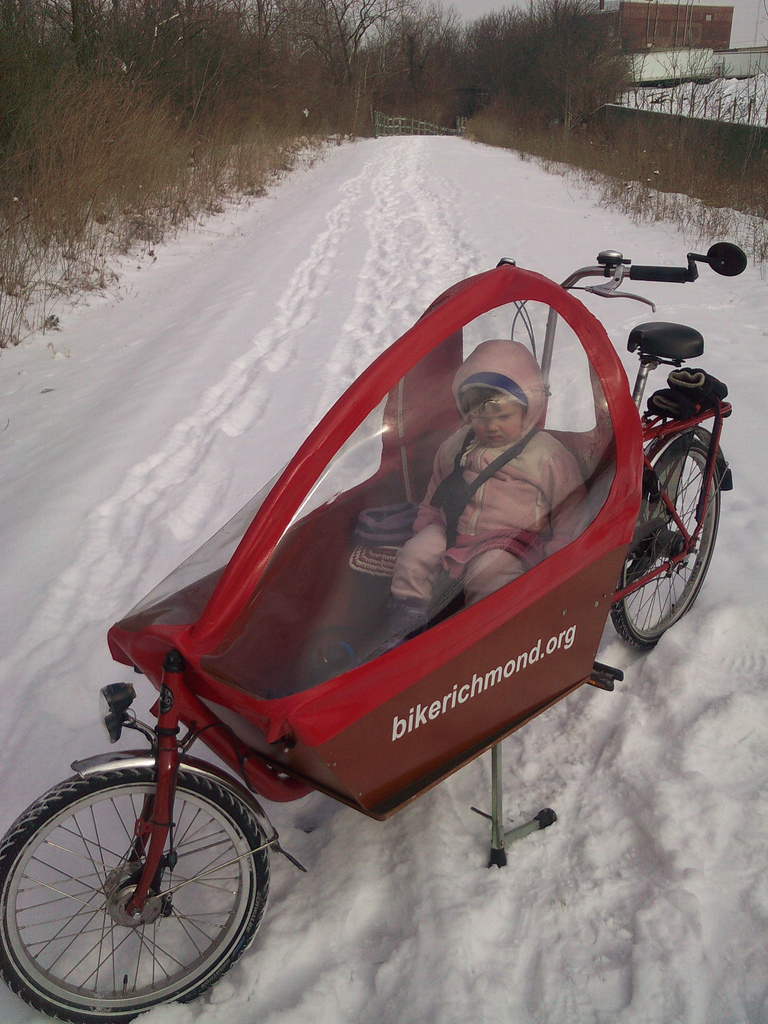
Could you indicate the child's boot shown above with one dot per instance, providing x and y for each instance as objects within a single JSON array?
[{"x": 406, "y": 617}]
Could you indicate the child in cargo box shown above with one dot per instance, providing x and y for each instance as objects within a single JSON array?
[{"x": 526, "y": 509}]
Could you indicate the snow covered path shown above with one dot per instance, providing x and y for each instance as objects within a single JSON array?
[{"x": 154, "y": 415}]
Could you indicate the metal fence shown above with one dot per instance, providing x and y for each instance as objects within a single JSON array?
[
  {"x": 724, "y": 142},
  {"x": 384, "y": 125}
]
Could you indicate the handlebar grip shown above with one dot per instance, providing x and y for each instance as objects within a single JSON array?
[{"x": 673, "y": 275}]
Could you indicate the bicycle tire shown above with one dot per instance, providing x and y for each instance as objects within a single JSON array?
[
  {"x": 644, "y": 616},
  {"x": 68, "y": 948}
]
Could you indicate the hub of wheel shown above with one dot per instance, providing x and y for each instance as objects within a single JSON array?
[
  {"x": 668, "y": 543},
  {"x": 119, "y": 895},
  {"x": 677, "y": 545}
]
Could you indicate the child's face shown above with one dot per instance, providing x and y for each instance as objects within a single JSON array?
[{"x": 497, "y": 423}]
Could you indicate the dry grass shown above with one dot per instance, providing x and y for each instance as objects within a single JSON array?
[
  {"x": 653, "y": 173},
  {"x": 110, "y": 168}
]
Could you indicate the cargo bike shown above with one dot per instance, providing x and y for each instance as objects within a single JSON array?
[{"x": 143, "y": 877}]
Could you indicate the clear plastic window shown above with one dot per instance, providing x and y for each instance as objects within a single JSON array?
[
  {"x": 357, "y": 461},
  {"x": 184, "y": 593}
]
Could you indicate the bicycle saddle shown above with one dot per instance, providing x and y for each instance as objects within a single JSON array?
[{"x": 666, "y": 341}]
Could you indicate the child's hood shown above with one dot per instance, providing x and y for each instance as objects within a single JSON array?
[{"x": 512, "y": 360}]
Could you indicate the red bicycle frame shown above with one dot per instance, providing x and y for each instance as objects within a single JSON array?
[{"x": 655, "y": 430}]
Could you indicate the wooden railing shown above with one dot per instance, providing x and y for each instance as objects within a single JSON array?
[{"x": 385, "y": 125}]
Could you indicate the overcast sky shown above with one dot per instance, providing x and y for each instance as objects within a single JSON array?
[{"x": 750, "y": 20}]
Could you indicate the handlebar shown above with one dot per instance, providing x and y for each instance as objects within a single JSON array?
[
  {"x": 672, "y": 275},
  {"x": 723, "y": 257}
]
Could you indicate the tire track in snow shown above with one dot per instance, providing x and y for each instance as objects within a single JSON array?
[
  {"x": 416, "y": 249},
  {"x": 126, "y": 528}
]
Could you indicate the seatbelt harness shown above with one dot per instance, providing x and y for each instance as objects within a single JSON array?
[{"x": 454, "y": 493}]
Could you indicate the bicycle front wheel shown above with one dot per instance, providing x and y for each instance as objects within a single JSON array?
[
  {"x": 69, "y": 866},
  {"x": 645, "y": 615}
]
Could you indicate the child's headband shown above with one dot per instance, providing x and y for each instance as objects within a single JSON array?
[{"x": 497, "y": 381}]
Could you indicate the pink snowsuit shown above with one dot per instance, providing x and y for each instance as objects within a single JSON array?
[{"x": 524, "y": 512}]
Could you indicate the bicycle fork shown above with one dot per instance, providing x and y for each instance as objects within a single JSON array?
[{"x": 156, "y": 820}]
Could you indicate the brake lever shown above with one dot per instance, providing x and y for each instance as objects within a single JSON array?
[{"x": 608, "y": 291}]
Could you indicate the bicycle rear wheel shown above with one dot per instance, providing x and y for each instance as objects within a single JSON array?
[
  {"x": 69, "y": 867},
  {"x": 644, "y": 616}
]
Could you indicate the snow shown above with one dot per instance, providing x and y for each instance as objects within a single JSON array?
[
  {"x": 738, "y": 100},
  {"x": 160, "y": 408}
]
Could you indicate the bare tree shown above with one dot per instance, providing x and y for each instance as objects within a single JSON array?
[
  {"x": 555, "y": 62},
  {"x": 337, "y": 29}
]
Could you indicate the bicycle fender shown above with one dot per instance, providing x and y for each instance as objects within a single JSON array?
[{"x": 118, "y": 759}]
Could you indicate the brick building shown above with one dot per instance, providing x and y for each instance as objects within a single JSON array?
[{"x": 641, "y": 25}]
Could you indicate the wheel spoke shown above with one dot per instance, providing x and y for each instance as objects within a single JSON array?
[
  {"x": 206, "y": 883},
  {"x": 64, "y": 895},
  {"x": 43, "y": 943},
  {"x": 67, "y": 875},
  {"x": 58, "y": 936},
  {"x": 193, "y": 851},
  {"x": 99, "y": 960},
  {"x": 183, "y": 922},
  {"x": 87, "y": 843}
]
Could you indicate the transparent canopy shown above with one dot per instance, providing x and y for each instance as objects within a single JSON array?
[{"x": 332, "y": 594}]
